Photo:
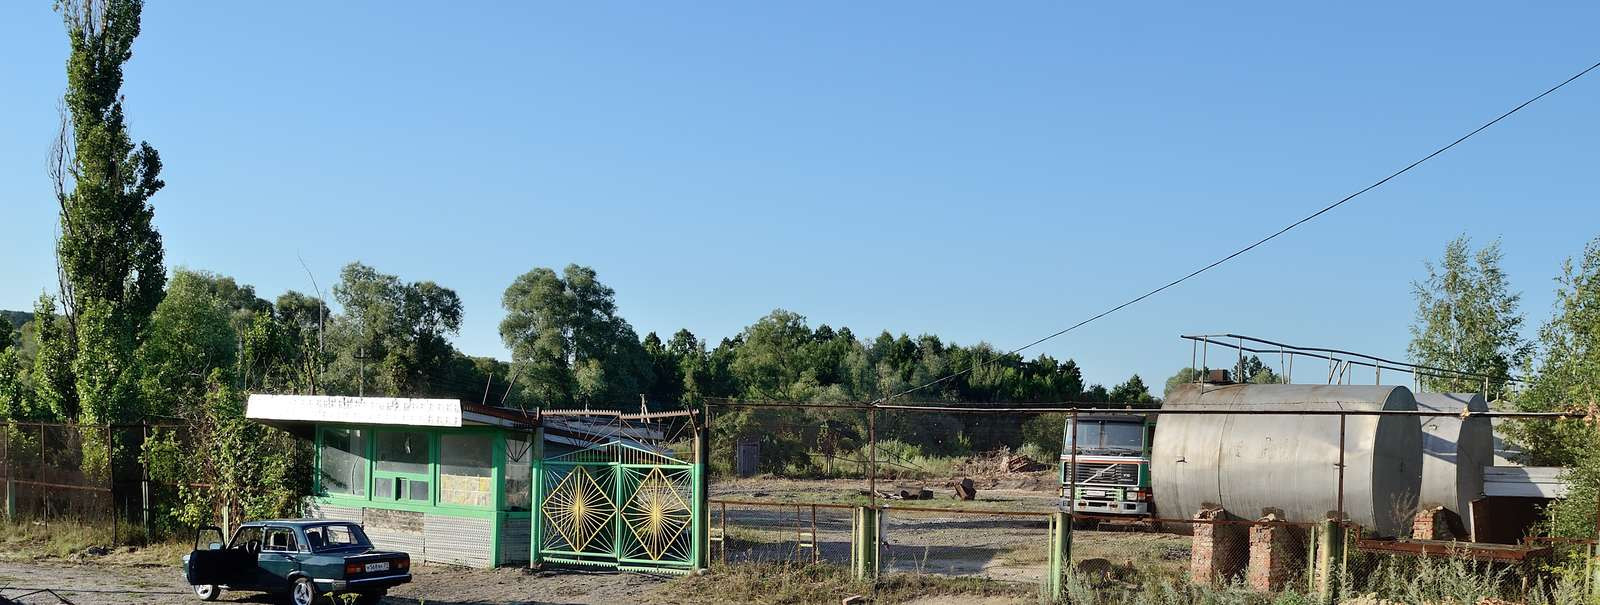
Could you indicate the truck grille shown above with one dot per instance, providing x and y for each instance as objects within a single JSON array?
[{"x": 1103, "y": 473}]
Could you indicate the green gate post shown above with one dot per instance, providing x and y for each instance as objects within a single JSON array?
[
  {"x": 864, "y": 544},
  {"x": 700, "y": 523},
  {"x": 536, "y": 510},
  {"x": 1060, "y": 552},
  {"x": 1330, "y": 553}
]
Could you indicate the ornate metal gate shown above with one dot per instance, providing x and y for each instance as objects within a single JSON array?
[{"x": 619, "y": 505}]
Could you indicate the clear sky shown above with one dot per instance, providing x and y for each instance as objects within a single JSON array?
[{"x": 981, "y": 171}]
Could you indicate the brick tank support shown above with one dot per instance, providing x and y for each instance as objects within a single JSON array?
[
  {"x": 1277, "y": 554},
  {"x": 1431, "y": 524},
  {"x": 1219, "y": 551}
]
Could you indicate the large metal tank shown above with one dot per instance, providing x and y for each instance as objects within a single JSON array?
[
  {"x": 1454, "y": 452},
  {"x": 1255, "y": 463}
]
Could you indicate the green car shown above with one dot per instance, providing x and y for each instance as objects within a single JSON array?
[{"x": 301, "y": 558}]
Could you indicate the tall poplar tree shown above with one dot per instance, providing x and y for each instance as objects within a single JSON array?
[{"x": 109, "y": 253}]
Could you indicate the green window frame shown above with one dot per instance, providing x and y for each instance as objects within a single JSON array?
[
  {"x": 468, "y": 481},
  {"x": 361, "y": 439},
  {"x": 403, "y": 466}
]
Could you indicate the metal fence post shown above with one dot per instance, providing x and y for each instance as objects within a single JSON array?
[
  {"x": 864, "y": 544},
  {"x": 1330, "y": 553},
  {"x": 5, "y": 457},
  {"x": 144, "y": 483},
  {"x": 1060, "y": 553}
]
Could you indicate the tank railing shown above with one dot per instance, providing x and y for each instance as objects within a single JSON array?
[
  {"x": 1338, "y": 359},
  {"x": 1088, "y": 407},
  {"x": 1069, "y": 408}
]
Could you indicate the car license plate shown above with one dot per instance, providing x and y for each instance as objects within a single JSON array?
[{"x": 381, "y": 566}]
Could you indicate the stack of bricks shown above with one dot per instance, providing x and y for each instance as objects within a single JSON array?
[
  {"x": 1219, "y": 550},
  {"x": 1277, "y": 552},
  {"x": 1431, "y": 524}
]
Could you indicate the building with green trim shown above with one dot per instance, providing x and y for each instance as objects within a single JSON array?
[{"x": 464, "y": 484}]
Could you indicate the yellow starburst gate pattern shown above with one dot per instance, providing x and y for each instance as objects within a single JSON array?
[
  {"x": 578, "y": 509},
  {"x": 657, "y": 514}
]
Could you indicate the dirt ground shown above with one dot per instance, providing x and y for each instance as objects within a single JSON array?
[
  {"x": 93, "y": 583},
  {"x": 978, "y": 543},
  {"x": 969, "y": 543}
]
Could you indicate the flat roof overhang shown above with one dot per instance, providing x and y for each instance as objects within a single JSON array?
[{"x": 299, "y": 414}]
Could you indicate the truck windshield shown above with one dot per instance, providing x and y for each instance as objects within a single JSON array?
[
  {"x": 1102, "y": 435},
  {"x": 336, "y": 536}
]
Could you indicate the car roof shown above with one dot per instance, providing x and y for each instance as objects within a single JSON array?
[{"x": 297, "y": 522}]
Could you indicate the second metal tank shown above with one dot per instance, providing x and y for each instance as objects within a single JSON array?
[
  {"x": 1454, "y": 452},
  {"x": 1252, "y": 464}
]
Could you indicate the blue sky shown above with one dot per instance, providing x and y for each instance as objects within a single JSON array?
[{"x": 982, "y": 172}]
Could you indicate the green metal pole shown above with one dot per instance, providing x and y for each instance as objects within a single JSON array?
[
  {"x": 700, "y": 523},
  {"x": 1060, "y": 553},
  {"x": 864, "y": 544},
  {"x": 536, "y": 492}
]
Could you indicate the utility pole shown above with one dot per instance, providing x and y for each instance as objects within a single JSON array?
[
  {"x": 322, "y": 314},
  {"x": 361, "y": 355}
]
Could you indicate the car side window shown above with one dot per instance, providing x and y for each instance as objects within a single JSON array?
[
  {"x": 247, "y": 538},
  {"x": 280, "y": 539}
]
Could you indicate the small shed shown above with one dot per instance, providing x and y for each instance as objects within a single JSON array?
[
  {"x": 446, "y": 481},
  {"x": 1514, "y": 501}
]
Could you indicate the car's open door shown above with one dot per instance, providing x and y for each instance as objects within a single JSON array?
[{"x": 212, "y": 563}]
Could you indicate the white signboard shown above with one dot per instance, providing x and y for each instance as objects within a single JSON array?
[{"x": 355, "y": 410}]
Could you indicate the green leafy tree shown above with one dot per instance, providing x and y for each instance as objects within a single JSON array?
[
  {"x": 400, "y": 329},
  {"x": 191, "y": 336},
  {"x": 1184, "y": 376},
  {"x": 1467, "y": 319},
  {"x": 55, "y": 387},
  {"x": 1566, "y": 377},
  {"x": 1133, "y": 391},
  {"x": 109, "y": 251},
  {"x": 567, "y": 343}
]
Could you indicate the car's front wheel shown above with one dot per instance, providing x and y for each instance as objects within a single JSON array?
[
  {"x": 207, "y": 592},
  {"x": 303, "y": 592}
]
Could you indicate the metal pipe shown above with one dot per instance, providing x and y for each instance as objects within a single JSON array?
[
  {"x": 1308, "y": 351},
  {"x": 1341, "y": 469},
  {"x": 1072, "y": 475},
  {"x": 872, "y": 446},
  {"x": 1283, "y": 412}
]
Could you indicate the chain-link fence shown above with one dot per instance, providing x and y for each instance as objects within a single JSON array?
[
  {"x": 969, "y": 490},
  {"x": 92, "y": 475}
]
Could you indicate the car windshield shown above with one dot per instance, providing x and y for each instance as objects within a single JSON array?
[{"x": 336, "y": 536}]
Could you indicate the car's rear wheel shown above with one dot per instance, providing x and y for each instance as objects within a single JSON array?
[
  {"x": 207, "y": 592},
  {"x": 302, "y": 592}
]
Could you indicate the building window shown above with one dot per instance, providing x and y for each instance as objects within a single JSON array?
[
  {"x": 519, "y": 469},
  {"x": 344, "y": 462},
  {"x": 401, "y": 469},
  {"x": 466, "y": 468}
]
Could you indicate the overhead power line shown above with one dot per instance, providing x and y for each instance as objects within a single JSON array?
[{"x": 1253, "y": 245}]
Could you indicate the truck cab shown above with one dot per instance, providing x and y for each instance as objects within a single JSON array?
[{"x": 1112, "y": 462}]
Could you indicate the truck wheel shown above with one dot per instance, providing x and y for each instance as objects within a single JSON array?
[
  {"x": 206, "y": 592},
  {"x": 302, "y": 592}
]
